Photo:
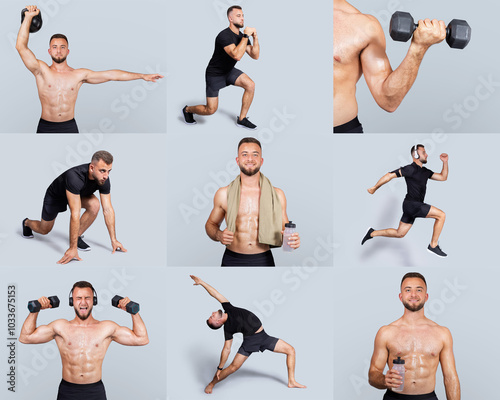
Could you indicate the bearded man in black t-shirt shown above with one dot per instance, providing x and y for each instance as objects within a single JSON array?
[
  {"x": 230, "y": 46},
  {"x": 75, "y": 187},
  {"x": 416, "y": 176},
  {"x": 239, "y": 320}
]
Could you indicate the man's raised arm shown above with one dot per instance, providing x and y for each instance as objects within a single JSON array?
[
  {"x": 443, "y": 175},
  {"x": 211, "y": 291},
  {"x": 30, "y": 334},
  {"x": 26, "y": 54}
]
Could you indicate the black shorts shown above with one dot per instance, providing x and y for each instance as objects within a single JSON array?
[
  {"x": 217, "y": 82},
  {"x": 353, "y": 126},
  {"x": 414, "y": 209},
  {"x": 75, "y": 391},
  {"x": 391, "y": 395},
  {"x": 233, "y": 259},
  {"x": 52, "y": 207},
  {"x": 57, "y": 127},
  {"x": 257, "y": 342}
]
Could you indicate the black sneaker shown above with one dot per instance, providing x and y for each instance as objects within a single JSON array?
[
  {"x": 82, "y": 246},
  {"x": 245, "y": 123},
  {"x": 368, "y": 236},
  {"x": 437, "y": 251},
  {"x": 27, "y": 232},
  {"x": 188, "y": 117}
]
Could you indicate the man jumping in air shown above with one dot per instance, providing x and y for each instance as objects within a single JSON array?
[{"x": 416, "y": 176}]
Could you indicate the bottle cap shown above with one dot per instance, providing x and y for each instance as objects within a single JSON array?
[
  {"x": 290, "y": 225},
  {"x": 398, "y": 361}
]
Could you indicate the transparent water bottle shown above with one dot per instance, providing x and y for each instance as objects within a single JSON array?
[
  {"x": 289, "y": 230},
  {"x": 399, "y": 365}
]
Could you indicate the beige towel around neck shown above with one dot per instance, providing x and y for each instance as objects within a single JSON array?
[{"x": 270, "y": 215}]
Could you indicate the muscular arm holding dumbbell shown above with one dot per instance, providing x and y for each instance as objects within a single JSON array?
[{"x": 359, "y": 47}]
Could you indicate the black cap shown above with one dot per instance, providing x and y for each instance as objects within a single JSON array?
[
  {"x": 290, "y": 225},
  {"x": 398, "y": 361}
]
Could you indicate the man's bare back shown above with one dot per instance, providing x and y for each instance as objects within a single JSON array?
[{"x": 420, "y": 346}]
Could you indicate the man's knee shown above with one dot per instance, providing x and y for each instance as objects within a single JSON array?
[
  {"x": 249, "y": 85},
  {"x": 211, "y": 109},
  {"x": 234, "y": 367},
  {"x": 45, "y": 228},
  {"x": 93, "y": 206},
  {"x": 401, "y": 234}
]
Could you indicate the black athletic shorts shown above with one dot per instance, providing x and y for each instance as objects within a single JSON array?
[
  {"x": 217, "y": 82},
  {"x": 391, "y": 395},
  {"x": 414, "y": 209},
  {"x": 353, "y": 126},
  {"x": 75, "y": 391},
  {"x": 57, "y": 127},
  {"x": 257, "y": 342},
  {"x": 233, "y": 259},
  {"x": 52, "y": 207}
]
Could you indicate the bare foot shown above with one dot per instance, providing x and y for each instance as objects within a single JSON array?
[
  {"x": 295, "y": 384},
  {"x": 209, "y": 388}
]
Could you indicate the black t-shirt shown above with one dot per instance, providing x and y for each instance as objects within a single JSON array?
[
  {"x": 416, "y": 181},
  {"x": 221, "y": 63},
  {"x": 239, "y": 320},
  {"x": 76, "y": 180}
]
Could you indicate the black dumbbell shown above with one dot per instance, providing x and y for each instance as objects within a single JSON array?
[
  {"x": 36, "y": 22},
  {"x": 402, "y": 27},
  {"x": 35, "y": 306},
  {"x": 131, "y": 307}
]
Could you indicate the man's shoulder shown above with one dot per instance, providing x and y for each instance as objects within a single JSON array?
[{"x": 356, "y": 18}]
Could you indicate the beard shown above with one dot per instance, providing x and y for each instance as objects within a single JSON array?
[
  {"x": 248, "y": 172},
  {"x": 239, "y": 26},
  {"x": 59, "y": 60},
  {"x": 83, "y": 317},
  {"x": 414, "y": 307},
  {"x": 423, "y": 161}
]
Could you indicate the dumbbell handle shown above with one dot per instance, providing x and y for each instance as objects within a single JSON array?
[
  {"x": 35, "y": 306},
  {"x": 131, "y": 307},
  {"x": 448, "y": 30}
]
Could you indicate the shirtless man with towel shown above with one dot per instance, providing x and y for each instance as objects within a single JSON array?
[{"x": 254, "y": 210}]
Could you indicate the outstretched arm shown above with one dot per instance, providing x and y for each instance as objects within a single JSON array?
[
  {"x": 382, "y": 181},
  {"x": 30, "y": 334},
  {"x": 389, "y": 87},
  {"x": 116, "y": 75},
  {"x": 26, "y": 54},
  {"x": 137, "y": 336},
  {"x": 443, "y": 175},
  {"x": 447, "y": 360},
  {"x": 211, "y": 291},
  {"x": 226, "y": 350},
  {"x": 109, "y": 219}
]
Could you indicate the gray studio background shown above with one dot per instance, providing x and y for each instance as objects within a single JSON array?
[
  {"x": 366, "y": 299},
  {"x": 448, "y": 79},
  {"x": 292, "y": 76},
  {"x": 129, "y": 372},
  {"x": 138, "y": 196},
  {"x": 293, "y": 304},
  {"x": 468, "y": 197},
  {"x": 102, "y": 35},
  {"x": 199, "y": 164}
]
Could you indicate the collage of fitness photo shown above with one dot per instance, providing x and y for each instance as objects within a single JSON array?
[{"x": 179, "y": 200}]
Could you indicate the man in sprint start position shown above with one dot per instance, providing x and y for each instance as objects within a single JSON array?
[
  {"x": 416, "y": 176},
  {"x": 58, "y": 85},
  {"x": 421, "y": 343},
  {"x": 239, "y": 320}
]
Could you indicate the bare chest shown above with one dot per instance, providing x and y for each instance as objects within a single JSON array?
[
  {"x": 350, "y": 37},
  {"x": 249, "y": 203},
  {"x": 63, "y": 83},
  {"x": 89, "y": 341},
  {"x": 416, "y": 345}
]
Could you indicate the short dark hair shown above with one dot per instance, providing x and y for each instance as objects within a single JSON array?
[
  {"x": 232, "y": 8},
  {"x": 214, "y": 327},
  {"x": 413, "y": 275},
  {"x": 415, "y": 148},
  {"x": 249, "y": 140},
  {"x": 58, "y": 36},
  {"x": 82, "y": 284},
  {"x": 102, "y": 155}
]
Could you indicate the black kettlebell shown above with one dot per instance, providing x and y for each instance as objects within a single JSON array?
[{"x": 36, "y": 22}]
